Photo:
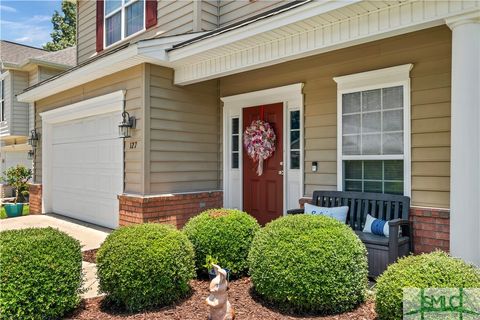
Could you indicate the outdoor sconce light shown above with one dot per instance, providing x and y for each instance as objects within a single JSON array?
[
  {"x": 30, "y": 154},
  {"x": 33, "y": 139},
  {"x": 127, "y": 123},
  {"x": 314, "y": 166}
]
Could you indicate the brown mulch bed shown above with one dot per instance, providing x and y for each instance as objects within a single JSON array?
[
  {"x": 247, "y": 306},
  {"x": 90, "y": 255}
]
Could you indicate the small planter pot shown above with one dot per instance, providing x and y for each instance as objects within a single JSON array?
[
  {"x": 212, "y": 274},
  {"x": 13, "y": 210}
]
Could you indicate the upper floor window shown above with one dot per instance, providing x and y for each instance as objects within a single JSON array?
[
  {"x": 374, "y": 131},
  {"x": 2, "y": 100},
  {"x": 123, "y": 18}
]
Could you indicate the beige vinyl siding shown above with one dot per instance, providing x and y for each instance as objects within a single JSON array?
[
  {"x": 130, "y": 80},
  {"x": 209, "y": 14},
  {"x": 46, "y": 73},
  {"x": 184, "y": 134},
  {"x": 236, "y": 10},
  {"x": 86, "y": 30},
  {"x": 33, "y": 76},
  {"x": 18, "y": 120},
  {"x": 430, "y": 52},
  {"x": 174, "y": 18}
]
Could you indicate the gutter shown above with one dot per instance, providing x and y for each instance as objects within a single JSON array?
[
  {"x": 33, "y": 61},
  {"x": 235, "y": 33},
  {"x": 129, "y": 55}
]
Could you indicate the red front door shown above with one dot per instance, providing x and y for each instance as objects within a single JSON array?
[{"x": 263, "y": 195}]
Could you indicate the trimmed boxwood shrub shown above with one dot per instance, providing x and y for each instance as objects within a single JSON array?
[
  {"x": 224, "y": 234},
  {"x": 433, "y": 270},
  {"x": 144, "y": 266},
  {"x": 40, "y": 273},
  {"x": 307, "y": 263}
]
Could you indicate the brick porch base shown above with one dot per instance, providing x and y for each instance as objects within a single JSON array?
[
  {"x": 172, "y": 208},
  {"x": 431, "y": 228},
  {"x": 35, "y": 198}
]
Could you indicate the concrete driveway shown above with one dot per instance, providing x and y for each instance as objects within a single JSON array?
[{"x": 90, "y": 236}]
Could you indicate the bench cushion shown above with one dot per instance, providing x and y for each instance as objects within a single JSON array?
[{"x": 378, "y": 240}]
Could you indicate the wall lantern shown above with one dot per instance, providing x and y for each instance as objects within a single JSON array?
[
  {"x": 33, "y": 138},
  {"x": 127, "y": 123},
  {"x": 30, "y": 154}
]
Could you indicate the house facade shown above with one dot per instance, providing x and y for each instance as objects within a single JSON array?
[
  {"x": 21, "y": 67},
  {"x": 362, "y": 95}
]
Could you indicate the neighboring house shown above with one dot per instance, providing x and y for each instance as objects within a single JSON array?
[
  {"x": 364, "y": 95},
  {"x": 21, "y": 67}
]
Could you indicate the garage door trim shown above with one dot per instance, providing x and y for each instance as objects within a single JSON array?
[{"x": 111, "y": 102}]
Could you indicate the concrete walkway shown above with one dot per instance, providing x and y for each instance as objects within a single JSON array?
[
  {"x": 91, "y": 282},
  {"x": 90, "y": 236}
]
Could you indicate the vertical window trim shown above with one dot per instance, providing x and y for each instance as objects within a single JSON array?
[
  {"x": 240, "y": 145},
  {"x": 2, "y": 100},
  {"x": 289, "y": 138},
  {"x": 382, "y": 78},
  {"x": 124, "y": 5}
]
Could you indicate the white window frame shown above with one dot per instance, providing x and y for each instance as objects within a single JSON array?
[
  {"x": 122, "y": 8},
  {"x": 377, "y": 79}
]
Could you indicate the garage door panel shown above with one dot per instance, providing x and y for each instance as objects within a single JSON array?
[
  {"x": 87, "y": 163},
  {"x": 87, "y": 129}
]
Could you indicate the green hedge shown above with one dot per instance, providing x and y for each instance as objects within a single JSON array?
[
  {"x": 144, "y": 266},
  {"x": 40, "y": 274},
  {"x": 308, "y": 263},
  {"x": 433, "y": 270},
  {"x": 224, "y": 234}
]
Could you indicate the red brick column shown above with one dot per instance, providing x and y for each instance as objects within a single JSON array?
[
  {"x": 35, "y": 198},
  {"x": 431, "y": 227},
  {"x": 172, "y": 208}
]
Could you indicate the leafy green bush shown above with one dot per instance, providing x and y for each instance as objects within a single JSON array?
[
  {"x": 433, "y": 270},
  {"x": 223, "y": 234},
  {"x": 40, "y": 273},
  {"x": 145, "y": 265},
  {"x": 308, "y": 263},
  {"x": 17, "y": 177}
]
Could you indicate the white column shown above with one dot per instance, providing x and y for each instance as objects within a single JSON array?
[{"x": 465, "y": 138}]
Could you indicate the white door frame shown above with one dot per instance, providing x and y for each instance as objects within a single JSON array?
[
  {"x": 111, "y": 102},
  {"x": 292, "y": 98}
]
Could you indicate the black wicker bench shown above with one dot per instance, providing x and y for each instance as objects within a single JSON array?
[{"x": 382, "y": 251}]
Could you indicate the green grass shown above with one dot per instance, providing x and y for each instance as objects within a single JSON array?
[{"x": 3, "y": 214}]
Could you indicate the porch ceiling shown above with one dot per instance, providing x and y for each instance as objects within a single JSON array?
[{"x": 340, "y": 26}]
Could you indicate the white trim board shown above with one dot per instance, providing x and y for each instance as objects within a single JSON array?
[
  {"x": 112, "y": 102},
  {"x": 292, "y": 98},
  {"x": 381, "y": 78}
]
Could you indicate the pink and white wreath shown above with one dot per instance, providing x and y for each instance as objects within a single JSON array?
[{"x": 259, "y": 141}]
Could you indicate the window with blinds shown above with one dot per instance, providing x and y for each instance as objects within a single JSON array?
[{"x": 373, "y": 140}]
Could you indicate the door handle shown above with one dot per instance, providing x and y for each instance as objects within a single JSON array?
[{"x": 280, "y": 172}]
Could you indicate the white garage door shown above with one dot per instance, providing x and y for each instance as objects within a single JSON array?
[{"x": 87, "y": 158}]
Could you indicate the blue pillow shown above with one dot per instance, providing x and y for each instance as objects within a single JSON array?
[
  {"x": 339, "y": 213},
  {"x": 376, "y": 226}
]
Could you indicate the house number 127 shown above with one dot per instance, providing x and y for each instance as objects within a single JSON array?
[{"x": 133, "y": 145}]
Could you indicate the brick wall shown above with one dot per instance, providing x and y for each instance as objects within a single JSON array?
[
  {"x": 35, "y": 198},
  {"x": 431, "y": 228},
  {"x": 173, "y": 208}
]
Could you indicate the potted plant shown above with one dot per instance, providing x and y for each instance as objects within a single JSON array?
[
  {"x": 17, "y": 177},
  {"x": 209, "y": 262}
]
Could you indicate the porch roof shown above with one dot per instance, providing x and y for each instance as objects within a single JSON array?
[{"x": 300, "y": 30}]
